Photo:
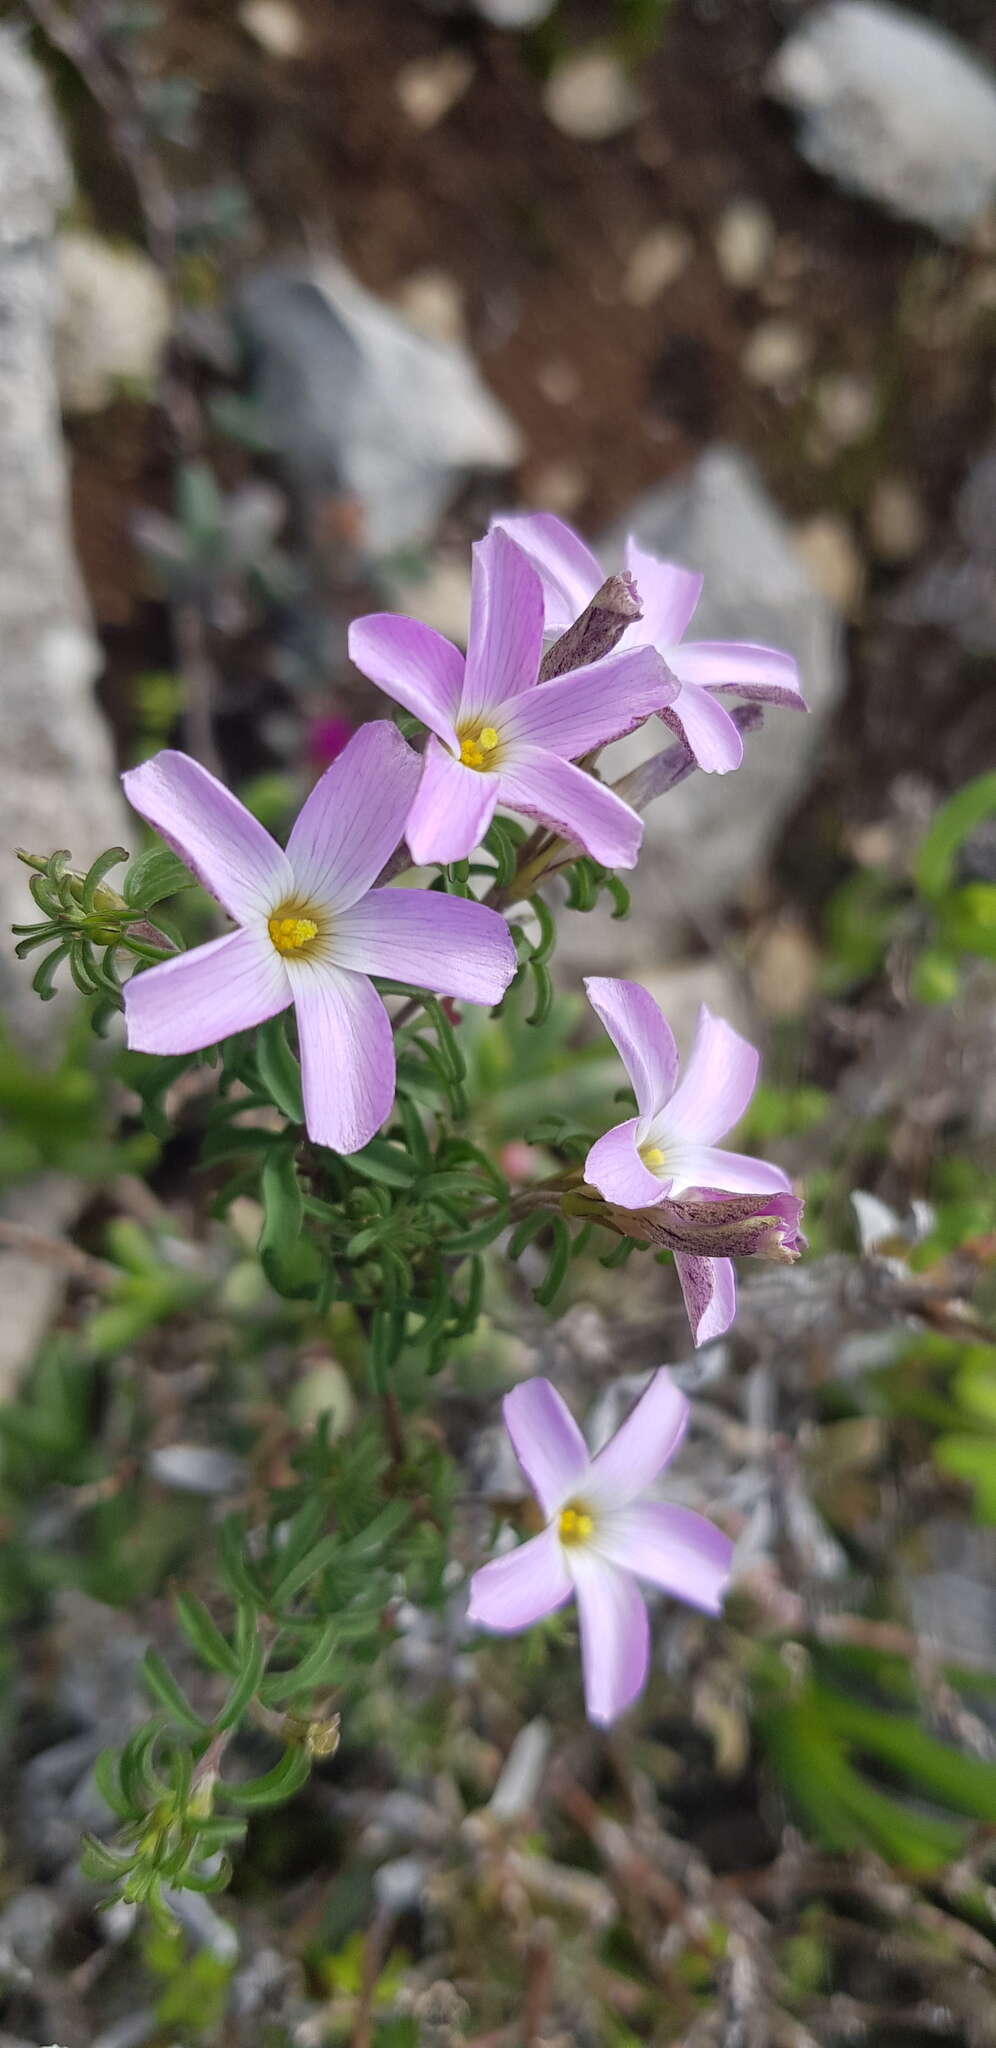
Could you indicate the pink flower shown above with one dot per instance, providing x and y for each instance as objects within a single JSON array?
[
  {"x": 668, "y": 595},
  {"x": 495, "y": 736},
  {"x": 670, "y": 1146},
  {"x": 601, "y": 1536},
  {"x": 311, "y": 928}
]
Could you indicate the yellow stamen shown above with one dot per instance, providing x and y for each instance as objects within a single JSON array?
[
  {"x": 575, "y": 1524},
  {"x": 476, "y": 746},
  {"x": 653, "y": 1156},
  {"x": 292, "y": 934}
]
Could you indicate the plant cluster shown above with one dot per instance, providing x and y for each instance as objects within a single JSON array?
[{"x": 323, "y": 1038}]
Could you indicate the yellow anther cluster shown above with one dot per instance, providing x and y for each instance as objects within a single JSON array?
[
  {"x": 290, "y": 934},
  {"x": 575, "y": 1524},
  {"x": 476, "y": 746},
  {"x": 653, "y": 1156}
]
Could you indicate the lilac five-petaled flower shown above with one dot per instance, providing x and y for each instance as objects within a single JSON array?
[
  {"x": 668, "y": 596},
  {"x": 497, "y": 735},
  {"x": 312, "y": 929},
  {"x": 670, "y": 1146},
  {"x": 601, "y": 1536}
]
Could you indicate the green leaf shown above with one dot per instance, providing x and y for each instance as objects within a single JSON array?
[
  {"x": 163, "y": 1686},
  {"x": 95, "y": 874},
  {"x": 239, "y": 1574},
  {"x": 932, "y": 1767},
  {"x": 101, "y": 1863},
  {"x": 279, "y": 1071},
  {"x": 107, "y": 1778},
  {"x": 315, "y": 1560},
  {"x": 560, "y": 1259},
  {"x": 245, "y": 1685},
  {"x": 973, "y": 1459},
  {"x": 385, "y": 1163},
  {"x": 524, "y": 1232},
  {"x": 43, "y": 979},
  {"x": 543, "y": 983},
  {"x": 975, "y": 1384},
  {"x": 315, "y": 1669},
  {"x": 286, "y": 1778},
  {"x": 548, "y": 930},
  {"x": 968, "y": 919},
  {"x": 291, "y": 1262},
  {"x": 211, "y": 1646},
  {"x": 955, "y": 821},
  {"x": 156, "y": 874}
]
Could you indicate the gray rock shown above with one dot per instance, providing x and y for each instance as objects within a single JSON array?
[
  {"x": 953, "y": 1597},
  {"x": 893, "y": 108},
  {"x": 360, "y": 404},
  {"x": 113, "y": 324},
  {"x": 514, "y": 13},
  {"x": 957, "y": 591},
  {"x": 58, "y": 784},
  {"x": 707, "y": 838}
]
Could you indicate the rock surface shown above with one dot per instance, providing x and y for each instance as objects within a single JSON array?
[
  {"x": 893, "y": 108},
  {"x": 514, "y": 13},
  {"x": 956, "y": 592},
  {"x": 590, "y": 96},
  {"x": 58, "y": 786},
  {"x": 707, "y": 838},
  {"x": 113, "y": 322},
  {"x": 361, "y": 405}
]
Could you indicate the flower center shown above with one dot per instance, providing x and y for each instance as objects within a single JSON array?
[
  {"x": 661, "y": 1160},
  {"x": 575, "y": 1524},
  {"x": 292, "y": 933},
  {"x": 477, "y": 745}
]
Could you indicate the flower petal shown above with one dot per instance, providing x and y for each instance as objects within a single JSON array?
[
  {"x": 568, "y": 571},
  {"x": 615, "y": 1168},
  {"x": 709, "y": 1288},
  {"x": 208, "y": 827},
  {"x": 716, "y": 1086},
  {"x": 453, "y": 808},
  {"x": 445, "y": 943},
  {"x": 515, "y": 1590},
  {"x": 505, "y": 643},
  {"x": 668, "y": 594},
  {"x": 763, "y": 674},
  {"x": 199, "y": 998},
  {"x": 547, "y": 1442},
  {"x": 354, "y": 818},
  {"x": 642, "y": 1445},
  {"x": 347, "y": 1054},
  {"x": 707, "y": 728},
  {"x": 673, "y": 1547},
  {"x": 733, "y": 1173},
  {"x": 411, "y": 663},
  {"x": 641, "y": 1036},
  {"x": 615, "y": 1634},
  {"x": 571, "y": 803},
  {"x": 591, "y": 705}
]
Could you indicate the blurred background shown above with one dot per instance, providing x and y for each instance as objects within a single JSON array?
[{"x": 293, "y": 295}]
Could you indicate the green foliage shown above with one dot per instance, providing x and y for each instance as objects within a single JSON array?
[
  {"x": 88, "y": 926},
  {"x": 309, "y": 1601},
  {"x": 834, "y": 1755},
  {"x": 943, "y": 914},
  {"x": 59, "y": 1118}
]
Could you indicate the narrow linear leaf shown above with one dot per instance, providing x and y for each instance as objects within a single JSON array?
[
  {"x": 163, "y": 1686},
  {"x": 286, "y": 1778}
]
